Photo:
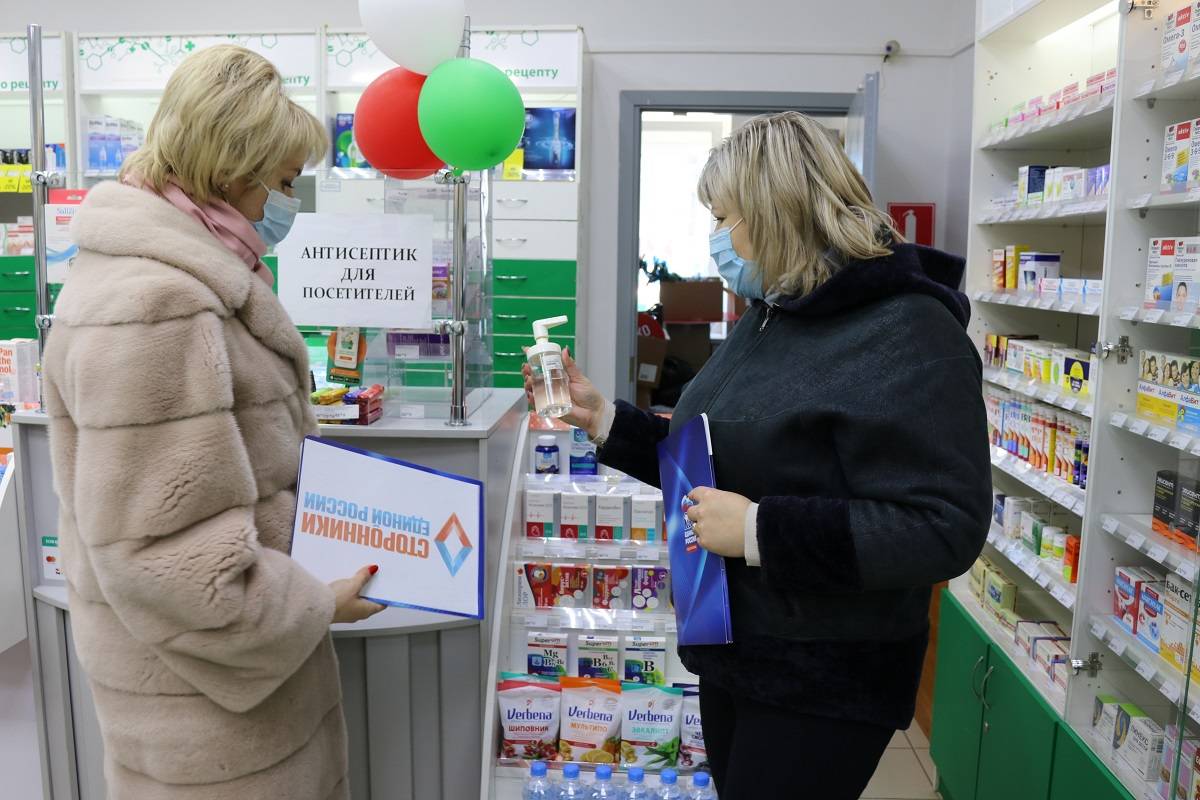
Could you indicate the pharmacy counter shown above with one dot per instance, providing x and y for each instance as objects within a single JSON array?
[{"x": 421, "y": 675}]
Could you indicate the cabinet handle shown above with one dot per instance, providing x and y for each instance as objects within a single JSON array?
[
  {"x": 983, "y": 687},
  {"x": 21, "y": 274},
  {"x": 511, "y": 316},
  {"x": 16, "y": 310},
  {"x": 508, "y": 355},
  {"x": 974, "y": 671},
  {"x": 512, "y": 277},
  {"x": 512, "y": 201},
  {"x": 512, "y": 240}
]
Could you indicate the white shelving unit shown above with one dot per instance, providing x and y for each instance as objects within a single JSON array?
[{"x": 1025, "y": 50}]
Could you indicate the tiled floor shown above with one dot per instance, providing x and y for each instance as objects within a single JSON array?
[{"x": 905, "y": 772}]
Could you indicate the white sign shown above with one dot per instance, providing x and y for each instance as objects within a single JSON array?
[
  {"x": 146, "y": 62},
  {"x": 14, "y": 64},
  {"x": 352, "y": 60},
  {"x": 533, "y": 59},
  {"x": 358, "y": 271},
  {"x": 423, "y": 528}
]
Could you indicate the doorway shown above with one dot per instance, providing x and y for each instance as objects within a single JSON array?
[{"x": 665, "y": 141}]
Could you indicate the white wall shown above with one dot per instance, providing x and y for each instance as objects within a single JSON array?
[
  {"x": 761, "y": 45},
  {"x": 19, "y": 763}
]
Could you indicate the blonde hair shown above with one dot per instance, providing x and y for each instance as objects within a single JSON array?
[
  {"x": 803, "y": 202},
  {"x": 224, "y": 115}
]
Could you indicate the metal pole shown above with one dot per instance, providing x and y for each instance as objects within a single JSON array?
[
  {"x": 458, "y": 328},
  {"x": 39, "y": 180}
]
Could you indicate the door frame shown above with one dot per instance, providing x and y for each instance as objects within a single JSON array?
[{"x": 629, "y": 184}]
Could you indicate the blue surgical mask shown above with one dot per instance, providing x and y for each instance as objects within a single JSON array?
[
  {"x": 278, "y": 215},
  {"x": 744, "y": 277}
]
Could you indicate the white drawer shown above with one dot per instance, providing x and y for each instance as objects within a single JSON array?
[
  {"x": 362, "y": 196},
  {"x": 535, "y": 240},
  {"x": 535, "y": 200}
]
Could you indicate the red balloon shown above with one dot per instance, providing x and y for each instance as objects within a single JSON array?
[{"x": 386, "y": 127}]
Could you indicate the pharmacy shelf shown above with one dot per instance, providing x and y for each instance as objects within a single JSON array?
[
  {"x": 509, "y": 778},
  {"x": 591, "y": 550},
  {"x": 1037, "y": 301},
  {"x": 1032, "y": 20},
  {"x": 1036, "y": 390},
  {"x": 1156, "y": 432},
  {"x": 1135, "y": 530},
  {"x": 1082, "y": 124},
  {"x": 1158, "y": 316},
  {"x": 1041, "y": 571},
  {"x": 1180, "y": 198},
  {"x": 1147, "y": 663},
  {"x": 1002, "y": 639},
  {"x": 591, "y": 619},
  {"x": 1091, "y": 211},
  {"x": 1064, "y": 494},
  {"x": 1137, "y": 788},
  {"x": 1176, "y": 86}
]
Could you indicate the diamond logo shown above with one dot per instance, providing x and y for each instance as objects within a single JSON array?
[{"x": 452, "y": 537}]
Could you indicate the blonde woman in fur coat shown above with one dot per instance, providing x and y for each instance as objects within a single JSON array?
[{"x": 177, "y": 390}]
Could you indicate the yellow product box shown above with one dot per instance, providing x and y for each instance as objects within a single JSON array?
[
  {"x": 999, "y": 594},
  {"x": 1176, "y": 633},
  {"x": 1157, "y": 403},
  {"x": 977, "y": 576},
  {"x": 1012, "y": 264}
]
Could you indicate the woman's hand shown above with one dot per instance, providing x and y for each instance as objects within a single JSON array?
[
  {"x": 587, "y": 403},
  {"x": 719, "y": 520},
  {"x": 349, "y": 606}
]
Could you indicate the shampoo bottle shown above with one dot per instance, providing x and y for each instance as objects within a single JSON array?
[{"x": 551, "y": 391}]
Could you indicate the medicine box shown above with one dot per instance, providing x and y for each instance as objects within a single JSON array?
[
  {"x": 977, "y": 576},
  {"x": 112, "y": 140},
  {"x": 1071, "y": 559},
  {"x": 1177, "y": 144},
  {"x": 998, "y": 269},
  {"x": 551, "y": 585},
  {"x": 1142, "y": 743},
  {"x": 1076, "y": 374},
  {"x": 1157, "y": 403},
  {"x": 546, "y": 654},
  {"x": 1126, "y": 713},
  {"x": 651, "y": 589},
  {"x": 610, "y": 587},
  {"x": 1127, "y": 589},
  {"x": 1104, "y": 719},
  {"x": 1031, "y": 532},
  {"x": 1031, "y": 185},
  {"x": 612, "y": 517},
  {"x": 999, "y": 593},
  {"x": 646, "y": 518},
  {"x": 1074, "y": 184},
  {"x": 1163, "y": 516},
  {"x": 1071, "y": 289},
  {"x": 1027, "y": 629},
  {"x": 1012, "y": 261},
  {"x": 1184, "y": 291},
  {"x": 1174, "y": 58},
  {"x": 1034, "y": 266},
  {"x": 597, "y": 656},
  {"x": 1052, "y": 658},
  {"x": 1175, "y": 638},
  {"x": 575, "y": 515},
  {"x": 644, "y": 660},
  {"x": 1150, "y": 614},
  {"x": 540, "y": 513},
  {"x": 1185, "y": 527},
  {"x": 18, "y": 371},
  {"x": 1160, "y": 272},
  {"x": 1187, "y": 754}
]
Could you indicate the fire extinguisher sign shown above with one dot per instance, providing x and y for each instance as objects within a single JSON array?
[{"x": 914, "y": 221}]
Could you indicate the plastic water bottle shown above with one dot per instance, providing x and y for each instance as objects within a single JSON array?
[
  {"x": 538, "y": 786},
  {"x": 701, "y": 787},
  {"x": 603, "y": 788},
  {"x": 572, "y": 788},
  {"x": 636, "y": 788},
  {"x": 669, "y": 790}
]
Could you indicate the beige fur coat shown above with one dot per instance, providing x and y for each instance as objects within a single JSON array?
[{"x": 177, "y": 390}]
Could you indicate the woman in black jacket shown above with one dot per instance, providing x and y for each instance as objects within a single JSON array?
[{"x": 851, "y": 451}]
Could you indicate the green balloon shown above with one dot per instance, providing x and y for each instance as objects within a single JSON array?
[{"x": 471, "y": 114}]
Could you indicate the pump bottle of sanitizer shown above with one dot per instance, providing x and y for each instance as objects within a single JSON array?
[{"x": 551, "y": 389}]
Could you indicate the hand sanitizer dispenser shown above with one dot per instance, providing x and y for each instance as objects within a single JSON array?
[{"x": 551, "y": 389}]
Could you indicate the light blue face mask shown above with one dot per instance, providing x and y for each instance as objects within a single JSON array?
[
  {"x": 279, "y": 213},
  {"x": 741, "y": 275}
]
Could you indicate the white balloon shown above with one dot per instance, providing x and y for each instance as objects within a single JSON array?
[{"x": 416, "y": 34}]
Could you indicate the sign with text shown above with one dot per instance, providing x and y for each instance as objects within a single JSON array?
[
  {"x": 135, "y": 62},
  {"x": 533, "y": 59},
  {"x": 423, "y": 528},
  {"x": 14, "y": 64},
  {"x": 356, "y": 271},
  {"x": 914, "y": 221}
]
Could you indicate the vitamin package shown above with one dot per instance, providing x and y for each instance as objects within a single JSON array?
[
  {"x": 692, "y": 752},
  {"x": 529, "y": 716},
  {"x": 546, "y": 654},
  {"x": 650, "y": 717},
  {"x": 591, "y": 720}
]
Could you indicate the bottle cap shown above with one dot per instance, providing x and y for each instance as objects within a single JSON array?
[
  {"x": 700, "y": 780},
  {"x": 538, "y": 769},
  {"x": 636, "y": 774},
  {"x": 571, "y": 771},
  {"x": 546, "y": 441},
  {"x": 604, "y": 772},
  {"x": 668, "y": 777}
]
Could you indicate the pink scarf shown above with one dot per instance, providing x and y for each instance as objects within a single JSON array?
[{"x": 222, "y": 220}]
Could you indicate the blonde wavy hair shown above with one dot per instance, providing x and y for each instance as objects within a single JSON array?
[
  {"x": 805, "y": 206},
  {"x": 224, "y": 115}
]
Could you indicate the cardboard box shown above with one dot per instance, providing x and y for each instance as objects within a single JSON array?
[
  {"x": 1174, "y": 56},
  {"x": 1150, "y": 614},
  {"x": 693, "y": 301},
  {"x": 1160, "y": 272},
  {"x": 612, "y": 517},
  {"x": 540, "y": 514},
  {"x": 1139, "y": 741},
  {"x": 1177, "y": 145},
  {"x": 1127, "y": 593},
  {"x": 1104, "y": 718},
  {"x": 1163, "y": 516},
  {"x": 1185, "y": 292},
  {"x": 575, "y": 515},
  {"x": 691, "y": 344},
  {"x": 1175, "y": 637},
  {"x": 651, "y": 352},
  {"x": 1185, "y": 525}
]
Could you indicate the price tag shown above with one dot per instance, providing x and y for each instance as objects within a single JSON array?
[
  {"x": 1079, "y": 507},
  {"x": 1158, "y": 553},
  {"x": 1029, "y": 390},
  {"x": 535, "y": 621},
  {"x": 1182, "y": 320},
  {"x": 648, "y": 554},
  {"x": 1118, "y": 419},
  {"x": 1158, "y": 433},
  {"x": 1193, "y": 194},
  {"x": 1043, "y": 580},
  {"x": 1128, "y": 313},
  {"x": 1186, "y": 570},
  {"x": 1030, "y": 568},
  {"x": 1135, "y": 540},
  {"x": 1025, "y": 301},
  {"x": 671, "y": 625},
  {"x": 1171, "y": 691},
  {"x": 1069, "y": 403},
  {"x": 1110, "y": 524},
  {"x": 1098, "y": 631},
  {"x": 1194, "y": 713},
  {"x": 1145, "y": 89},
  {"x": 1068, "y": 599},
  {"x": 991, "y": 537},
  {"x": 1139, "y": 426},
  {"x": 1147, "y": 670},
  {"x": 1180, "y": 441},
  {"x": 641, "y": 624},
  {"x": 979, "y": 295},
  {"x": 1004, "y": 299},
  {"x": 1153, "y": 315},
  {"x": 1117, "y": 646},
  {"x": 1058, "y": 594},
  {"x": 1087, "y": 410},
  {"x": 1172, "y": 79},
  {"x": 1141, "y": 201},
  {"x": 1090, "y": 309},
  {"x": 1046, "y": 303},
  {"x": 1050, "y": 395}
]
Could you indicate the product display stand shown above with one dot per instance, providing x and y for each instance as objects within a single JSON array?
[{"x": 1079, "y": 673}]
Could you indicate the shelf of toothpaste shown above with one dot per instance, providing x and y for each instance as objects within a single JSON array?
[
  {"x": 1060, "y": 107},
  {"x": 1042, "y": 191},
  {"x": 1036, "y": 369}
]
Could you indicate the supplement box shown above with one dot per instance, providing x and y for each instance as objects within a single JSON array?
[
  {"x": 1034, "y": 266},
  {"x": 644, "y": 660},
  {"x": 1027, "y": 629},
  {"x": 596, "y": 657},
  {"x": 1071, "y": 559},
  {"x": 551, "y": 585},
  {"x": 1186, "y": 523},
  {"x": 1160, "y": 272},
  {"x": 999, "y": 593},
  {"x": 1150, "y": 614},
  {"x": 646, "y": 518},
  {"x": 1104, "y": 719},
  {"x": 1175, "y": 637},
  {"x": 1077, "y": 374},
  {"x": 1143, "y": 744},
  {"x": 1174, "y": 58},
  {"x": 1177, "y": 144},
  {"x": 1157, "y": 403},
  {"x": 539, "y": 513},
  {"x": 1163, "y": 518},
  {"x": 1125, "y": 714},
  {"x": 977, "y": 576},
  {"x": 1031, "y": 184},
  {"x": 1127, "y": 590},
  {"x": 18, "y": 371},
  {"x": 612, "y": 517},
  {"x": 998, "y": 269},
  {"x": 651, "y": 589},
  {"x": 575, "y": 515},
  {"x": 1012, "y": 263},
  {"x": 1187, "y": 750},
  {"x": 610, "y": 587},
  {"x": 1031, "y": 532},
  {"x": 546, "y": 654},
  {"x": 1052, "y": 658},
  {"x": 1014, "y": 510},
  {"x": 1074, "y": 184},
  {"x": 1187, "y": 264}
]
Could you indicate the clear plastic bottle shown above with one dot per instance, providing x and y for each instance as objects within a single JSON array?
[
  {"x": 572, "y": 788},
  {"x": 701, "y": 787},
  {"x": 537, "y": 785},
  {"x": 669, "y": 786},
  {"x": 551, "y": 388},
  {"x": 636, "y": 789},
  {"x": 604, "y": 788}
]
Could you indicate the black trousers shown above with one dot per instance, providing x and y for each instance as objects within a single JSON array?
[{"x": 756, "y": 750}]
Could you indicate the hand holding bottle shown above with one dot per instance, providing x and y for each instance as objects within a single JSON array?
[{"x": 587, "y": 404}]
